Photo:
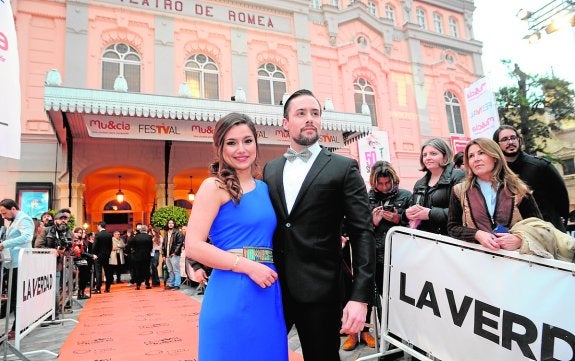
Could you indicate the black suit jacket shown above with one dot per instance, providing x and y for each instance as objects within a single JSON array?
[
  {"x": 307, "y": 243},
  {"x": 140, "y": 247},
  {"x": 103, "y": 246}
]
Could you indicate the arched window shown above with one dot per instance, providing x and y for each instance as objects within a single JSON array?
[
  {"x": 420, "y": 14},
  {"x": 121, "y": 59},
  {"x": 114, "y": 205},
  {"x": 202, "y": 77},
  {"x": 390, "y": 12},
  {"x": 453, "y": 27},
  {"x": 437, "y": 23},
  {"x": 364, "y": 93},
  {"x": 271, "y": 84},
  {"x": 453, "y": 111}
]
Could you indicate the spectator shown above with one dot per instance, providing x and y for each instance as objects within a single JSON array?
[
  {"x": 117, "y": 256},
  {"x": 140, "y": 248},
  {"x": 430, "y": 200},
  {"x": 172, "y": 250},
  {"x": 458, "y": 161},
  {"x": 155, "y": 256},
  {"x": 102, "y": 250},
  {"x": 83, "y": 262},
  {"x": 539, "y": 174},
  {"x": 491, "y": 199},
  {"x": 19, "y": 230}
]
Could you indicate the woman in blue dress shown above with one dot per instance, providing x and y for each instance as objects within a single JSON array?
[{"x": 241, "y": 316}]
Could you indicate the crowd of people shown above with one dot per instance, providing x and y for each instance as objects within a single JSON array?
[{"x": 274, "y": 243}]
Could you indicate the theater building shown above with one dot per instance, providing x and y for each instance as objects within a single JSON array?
[{"x": 121, "y": 96}]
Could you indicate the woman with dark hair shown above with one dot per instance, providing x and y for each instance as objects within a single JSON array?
[
  {"x": 430, "y": 199},
  {"x": 387, "y": 203},
  {"x": 490, "y": 200},
  {"x": 234, "y": 211}
]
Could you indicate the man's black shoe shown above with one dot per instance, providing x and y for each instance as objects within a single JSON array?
[{"x": 175, "y": 288}]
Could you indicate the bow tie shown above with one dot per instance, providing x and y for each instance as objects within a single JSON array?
[{"x": 291, "y": 155}]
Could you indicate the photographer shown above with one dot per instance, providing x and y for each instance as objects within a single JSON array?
[{"x": 58, "y": 237}]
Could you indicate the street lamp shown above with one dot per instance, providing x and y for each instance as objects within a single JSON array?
[{"x": 551, "y": 17}]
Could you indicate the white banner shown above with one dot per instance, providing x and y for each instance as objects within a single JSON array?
[
  {"x": 372, "y": 148},
  {"x": 481, "y": 109},
  {"x": 36, "y": 289},
  {"x": 9, "y": 85},
  {"x": 113, "y": 127},
  {"x": 461, "y": 303}
]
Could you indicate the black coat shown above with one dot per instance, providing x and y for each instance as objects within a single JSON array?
[
  {"x": 140, "y": 247},
  {"x": 307, "y": 241},
  {"x": 436, "y": 198},
  {"x": 103, "y": 246},
  {"x": 548, "y": 187}
]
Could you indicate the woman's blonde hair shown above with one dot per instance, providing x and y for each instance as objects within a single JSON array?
[{"x": 501, "y": 171}]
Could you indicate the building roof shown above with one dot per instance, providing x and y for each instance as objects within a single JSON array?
[{"x": 76, "y": 102}]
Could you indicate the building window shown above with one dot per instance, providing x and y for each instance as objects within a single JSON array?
[
  {"x": 271, "y": 84},
  {"x": 334, "y": 3},
  {"x": 121, "y": 59},
  {"x": 202, "y": 77},
  {"x": 372, "y": 8},
  {"x": 453, "y": 28},
  {"x": 437, "y": 23},
  {"x": 568, "y": 166},
  {"x": 390, "y": 13},
  {"x": 420, "y": 13},
  {"x": 453, "y": 110},
  {"x": 364, "y": 93},
  {"x": 316, "y": 4}
]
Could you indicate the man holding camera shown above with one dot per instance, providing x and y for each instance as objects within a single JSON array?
[{"x": 59, "y": 237}]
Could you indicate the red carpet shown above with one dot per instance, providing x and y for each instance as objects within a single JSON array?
[{"x": 130, "y": 325}]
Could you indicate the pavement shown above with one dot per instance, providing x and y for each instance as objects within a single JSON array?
[{"x": 42, "y": 341}]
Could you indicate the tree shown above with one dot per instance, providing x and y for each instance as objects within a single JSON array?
[
  {"x": 162, "y": 215},
  {"x": 536, "y": 107}
]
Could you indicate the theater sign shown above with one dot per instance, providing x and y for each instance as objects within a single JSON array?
[{"x": 90, "y": 113}]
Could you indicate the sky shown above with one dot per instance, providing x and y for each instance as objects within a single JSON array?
[{"x": 497, "y": 26}]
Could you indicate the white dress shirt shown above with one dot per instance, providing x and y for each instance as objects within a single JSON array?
[{"x": 294, "y": 174}]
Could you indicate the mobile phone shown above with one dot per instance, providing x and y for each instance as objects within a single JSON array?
[{"x": 500, "y": 229}]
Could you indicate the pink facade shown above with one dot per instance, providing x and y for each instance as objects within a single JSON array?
[{"x": 316, "y": 45}]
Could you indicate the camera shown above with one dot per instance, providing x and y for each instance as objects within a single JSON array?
[{"x": 389, "y": 208}]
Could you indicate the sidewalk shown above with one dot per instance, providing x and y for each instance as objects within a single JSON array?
[{"x": 52, "y": 337}]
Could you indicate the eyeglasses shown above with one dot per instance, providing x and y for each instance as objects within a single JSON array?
[{"x": 508, "y": 139}]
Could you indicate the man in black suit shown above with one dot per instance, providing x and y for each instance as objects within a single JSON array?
[
  {"x": 140, "y": 247},
  {"x": 102, "y": 249},
  {"x": 311, "y": 193}
]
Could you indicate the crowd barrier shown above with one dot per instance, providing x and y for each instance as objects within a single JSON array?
[{"x": 452, "y": 300}]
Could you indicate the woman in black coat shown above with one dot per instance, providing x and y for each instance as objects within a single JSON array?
[{"x": 429, "y": 203}]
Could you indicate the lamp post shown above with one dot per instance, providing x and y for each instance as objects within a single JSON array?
[{"x": 551, "y": 17}]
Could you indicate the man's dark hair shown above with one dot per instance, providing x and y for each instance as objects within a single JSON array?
[
  {"x": 458, "y": 159},
  {"x": 9, "y": 204},
  {"x": 65, "y": 210},
  {"x": 295, "y": 95},
  {"x": 503, "y": 127},
  {"x": 102, "y": 224}
]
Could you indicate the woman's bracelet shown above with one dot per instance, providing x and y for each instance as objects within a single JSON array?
[{"x": 236, "y": 262}]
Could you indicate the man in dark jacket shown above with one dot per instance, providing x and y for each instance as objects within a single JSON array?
[
  {"x": 172, "y": 250},
  {"x": 540, "y": 175},
  {"x": 102, "y": 249},
  {"x": 140, "y": 247}
]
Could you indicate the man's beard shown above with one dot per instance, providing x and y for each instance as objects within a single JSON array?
[
  {"x": 306, "y": 141},
  {"x": 511, "y": 154}
]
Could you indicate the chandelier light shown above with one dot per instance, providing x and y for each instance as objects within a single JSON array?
[{"x": 120, "y": 194}]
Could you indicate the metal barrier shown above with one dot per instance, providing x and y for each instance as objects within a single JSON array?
[{"x": 453, "y": 300}]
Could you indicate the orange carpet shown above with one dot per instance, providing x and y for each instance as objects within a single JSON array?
[{"x": 130, "y": 325}]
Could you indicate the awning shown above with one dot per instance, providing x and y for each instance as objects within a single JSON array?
[{"x": 77, "y": 107}]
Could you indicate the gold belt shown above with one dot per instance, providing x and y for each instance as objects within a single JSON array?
[{"x": 257, "y": 254}]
